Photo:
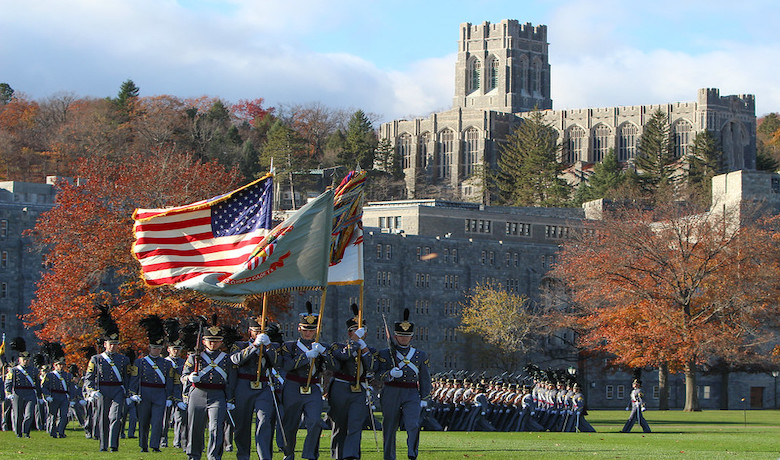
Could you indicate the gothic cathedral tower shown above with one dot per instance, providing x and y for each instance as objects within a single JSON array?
[{"x": 502, "y": 67}]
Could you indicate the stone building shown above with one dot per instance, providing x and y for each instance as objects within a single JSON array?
[
  {"x": 20, "y": 266},
  {"x": 501, "y": 74}
]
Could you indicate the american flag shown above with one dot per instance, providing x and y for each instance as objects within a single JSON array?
[{"x": 214, "y": 236}]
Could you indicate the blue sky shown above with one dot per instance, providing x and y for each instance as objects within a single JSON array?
[{"x": 393, "y": 59}]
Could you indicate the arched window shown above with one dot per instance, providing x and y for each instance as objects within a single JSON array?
[
  {"x": 601, "y": 135},
  {"x": 422, "y": 150},
  {"x": 404, "y": 146},
  {"x": 522, "y": 74},
  {"x": 682, "y": 138},
  {"x": 627, "y": 142},
  {"x": 535, "y": 77},
  {"x": 474, "y": 71},
  {"x": 573, "y": 141},
  {"x": 470, "y": 151},
  {"x": 444, "y": 154},
  {"x": 492, "y": 70}
]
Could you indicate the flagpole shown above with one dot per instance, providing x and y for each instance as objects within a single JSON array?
[
  {"x": 307, "y": 389},
  {"x": 360, "y": 351},
  {"x": 262, "y": 347}
]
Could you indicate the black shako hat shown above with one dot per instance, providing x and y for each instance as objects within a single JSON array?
[
  {"x": 404, "y": 327},
  {"x": 155, "y": 330},
  {"x": 352, "y": 323},
  {"x": 107, "y": 324},
  {"x": 308, "y": 319}
]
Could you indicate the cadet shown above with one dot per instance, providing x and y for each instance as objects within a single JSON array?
[
  {"x": 151, "y": 386},
  {"x": 57, "y": 389},
  {"x": 637, "y": 409},
  {"x": 254, "y": 393},
  {"x": 106, "y": 380},
  {"x": 22, "y": 390},
  {"x": 301, "y": 390},
  {"x": 347, "y": 393},
  {"x": 578, "y": 422},
  {"x": 177, "y": 412},
  {"x": 404, "y": 370},
  {"x": 212, "y": 378}
]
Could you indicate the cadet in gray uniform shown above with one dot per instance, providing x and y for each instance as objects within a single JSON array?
[
  {"x": 151, "y": 386},
  {"x": 177, "y": 413},
  {"x": 213, "y": 379},
  {"x": 637, "y": 409},
  {"x": 254, "y": 393},
  {"x": 106, "y": 381},
  {"x": 578, "y": 422},
  {"x": 347, "y": 393},
  {"x": 58, "y": 391},
  {"x": 301, "y": 395},
  {"x": 404, "y": 370},
  {"x": 22, "y": 390}
]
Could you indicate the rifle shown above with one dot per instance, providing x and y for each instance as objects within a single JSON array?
[
  {"x": 390, "y": 344},
  {"x": 196, "y": 357},
  {"x": 370, "y": 404},
  {"x": 256, "y": 384}
]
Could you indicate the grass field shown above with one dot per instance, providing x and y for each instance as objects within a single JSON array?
[{"x": 700, "y": 435}]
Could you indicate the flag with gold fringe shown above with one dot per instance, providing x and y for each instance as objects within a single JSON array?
[{"x": 346, "y": 248}]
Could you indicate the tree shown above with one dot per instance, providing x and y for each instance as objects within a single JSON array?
[
  {"x": 128, "y": 92},
  {"x": 607, "y": 177},
  {"x": 6, "y": 93},
  {"x": 665, "y": 286},
  {"x": 87, "y": 239},
  {"x": 704, "y": 162},
  {"x": 655, "y": 162},
  {"x": 359, "y": 143},
  {"x": 528, "y": 169},
  {"x": 504, "y": 321}
]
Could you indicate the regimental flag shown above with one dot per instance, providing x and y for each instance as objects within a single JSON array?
[
  {"x": 2, "y": 349},
  {"x": 346, "y": 249},
  {"x": 213, "y": 237}
]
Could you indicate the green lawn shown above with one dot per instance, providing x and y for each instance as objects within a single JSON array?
[{"x": 701, "y": 435}]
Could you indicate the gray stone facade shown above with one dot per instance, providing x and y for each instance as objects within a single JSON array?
[
  {"x": 20, "y": 266},
  {"x": 501, "y": 74}
]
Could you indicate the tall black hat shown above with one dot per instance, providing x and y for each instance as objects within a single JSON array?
[
  {"x": 352, "y": 323},
  {"x": 54, "y": 351},
  {"x": 213, "y": 332},
  {"x": 155, "y": 330},
  {"x": 19, "y": 345},
  {"x": 274, "y": 332},
  {"x": 107, "y": 324},
  {"x": 230, "y": 336},
  {"x": 171, "y": 326},
  {"x": 308, "y": 319},
  {"x": 192, "y": 330},
  {"x": 254, "y": 325},
  {"x": 404, "y": 327}
]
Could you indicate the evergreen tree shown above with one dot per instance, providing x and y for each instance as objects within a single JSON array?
[
  {"x": 127, "y": 92},
  {"x": 6, "y": 93},
  {"x": 528, "y": 169},
  {"x": 655, "y": 162},
  {"x": 704, "y": 162},
  {"x": 359, "y": 143},
  {"x": 607, "y": 177}
]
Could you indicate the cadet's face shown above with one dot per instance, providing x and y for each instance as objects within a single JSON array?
[
  {"x": 111, "y": 347},
  {"x": 403, "y": 340},
  {"x": 307, "y": 334},
  {"x": 212, "y": 344},
  {"x": 253, "y": 333},
  {"x": 24, "y": 361},
  {"x": 154, "y": 351},
  {"x": 58, "y": 367},
  {"x": 352, "y": 335},
  {"x": 174, "y": 351}
]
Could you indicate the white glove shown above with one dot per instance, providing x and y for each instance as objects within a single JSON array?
[
  {"x": 72, "y": 404},
  {"x": 318, "y": 346},
  {"x": 311, "y": 354},
  {"x": 168, "y": 403},
  {"x": 49, "y": 399},
  {"x": 262, "y": 339},
  {"x": 181, "y": 405},
  {"x": 41, "y": 400},
  {"x": 396, "y": 373},
  {"x": 136, "y": 398},
  {"x": 95, "y": 394},
  {"x": 362, "y": 344},
  {"x": 231, "y": 406},
  {"x": 360, "y": 332},
  {"x": 128, "y": 401},
  {"x": 83, "y": 402},
  {"x": 9, "y": 397},
  {"x": 423, "y": 403},
  {"x": 194, "y": 378}
]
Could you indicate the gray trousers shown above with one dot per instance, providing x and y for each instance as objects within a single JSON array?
[
  {"x": 348, "y": 411},
  {"x": 23, "y": 412},
  {"x": 295, "y": 405},
  {"x": 58, "y": 415},
  {"x": 203, "y": 405},
  {"x": 108, "y": 416},
  {"x": 151, "y": 411},
  {"x": 257, "y": 405},
  {"x": 397, "y": 403},
  {"x": 636, "y": 416}
]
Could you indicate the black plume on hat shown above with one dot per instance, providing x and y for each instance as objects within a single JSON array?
[
  {"x": 39, "y": 359},
  {"x": 309, "y": 319},
  {"x": 171, "y": 326},
  {"x": 89, "y": 351},
  {"x": 191, "y": 331},
  {"x": 18, "y": 344},
  {"x": 155, "y": 330},
  {"x": 54, "y": 351},
  {"x": 353, "y": 322},
  {"x": 274, "y": 332},
  {"x": 230, "y": 336},
  {"x": 107, "y": 323},
  {"x": 404, "y": 327}
]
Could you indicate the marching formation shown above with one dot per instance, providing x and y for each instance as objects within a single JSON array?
[{"x": 225, "y": 384}]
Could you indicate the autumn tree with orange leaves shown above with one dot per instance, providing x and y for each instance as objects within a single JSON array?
[
  {"x": 87, "y": 240},
  {"x": 666, "y": 287}
]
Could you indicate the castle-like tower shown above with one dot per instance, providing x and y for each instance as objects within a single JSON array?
[{"x": 502, "y": 67}]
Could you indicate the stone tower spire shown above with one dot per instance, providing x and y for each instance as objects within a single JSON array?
[{"x": 502, "y": 67}]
